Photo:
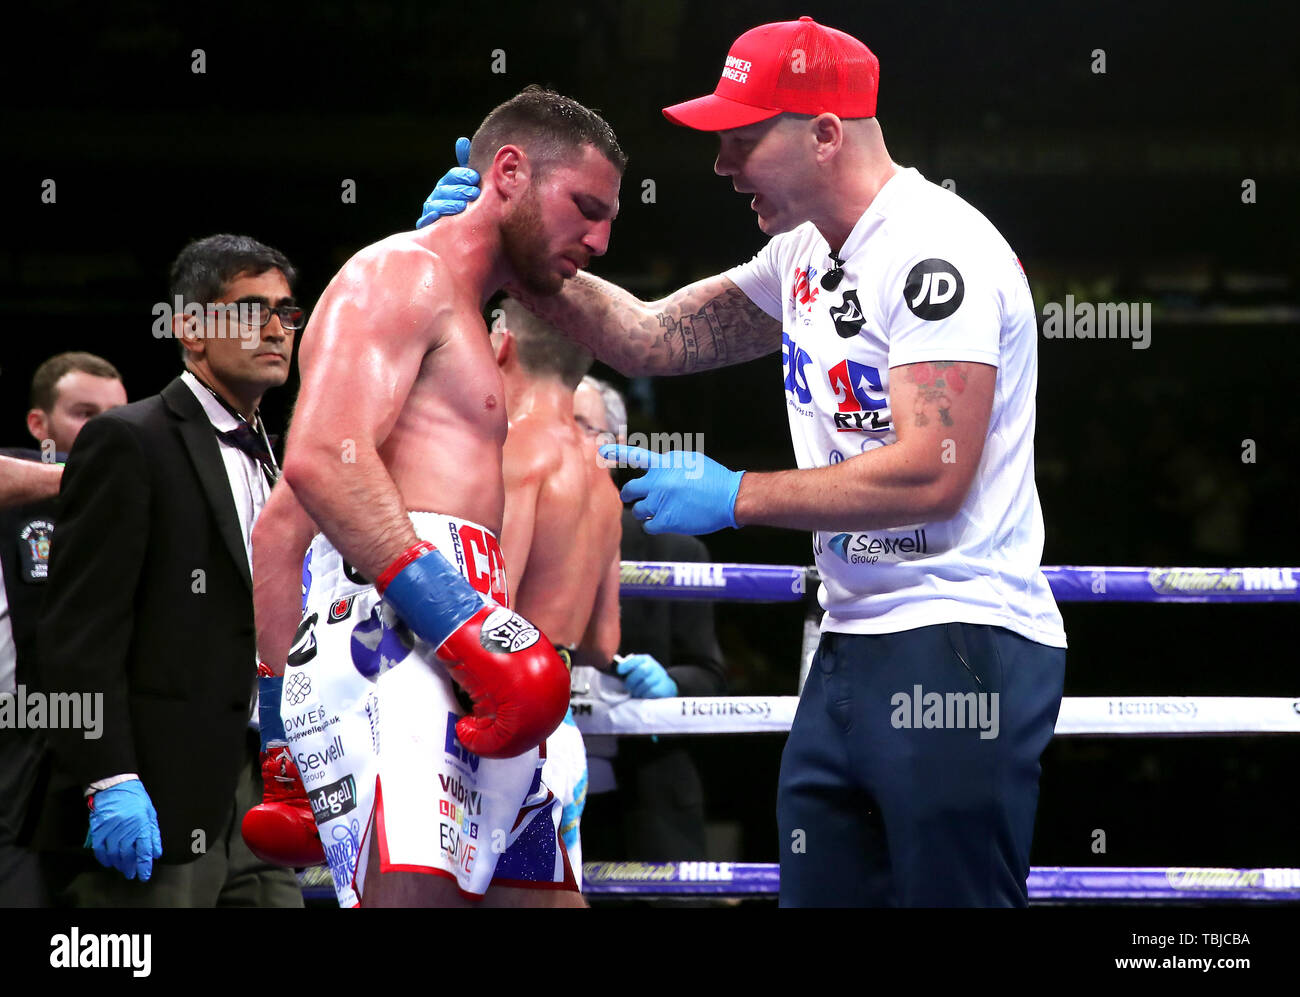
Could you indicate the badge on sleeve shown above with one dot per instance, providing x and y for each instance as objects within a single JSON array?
[
  {"x": 934, "y": 290},
  {"x": 34, "y": 549}
]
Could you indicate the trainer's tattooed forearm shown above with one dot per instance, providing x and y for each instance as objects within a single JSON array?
[
  {"x": 704, "y": 338},
  {"x": 711, "y": 323},
  {"x": 935, "y": 383}
]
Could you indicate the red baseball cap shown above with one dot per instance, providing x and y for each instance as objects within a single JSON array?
[{"x": 798, "y": 66}]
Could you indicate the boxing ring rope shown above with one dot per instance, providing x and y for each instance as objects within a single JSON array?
[{"x": 601, "y": 706}]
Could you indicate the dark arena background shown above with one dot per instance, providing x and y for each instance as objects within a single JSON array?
[{"x": 1170, "y": 178}]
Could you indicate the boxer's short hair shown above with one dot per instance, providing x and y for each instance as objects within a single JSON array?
[
  {"x": 548, "y": 126},
  {"x": 203, "y": 269},
  {"x": 45, "y": 381},
  {"x": 543, "y": 350}
]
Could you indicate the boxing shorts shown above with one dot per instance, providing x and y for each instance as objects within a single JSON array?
[
  {"x": 565, "y": 772},
  {"x": 370, "y": 715}
]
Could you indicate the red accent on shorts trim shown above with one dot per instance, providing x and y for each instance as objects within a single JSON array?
[
  {"x": 412, "y": 553},
  {"x": 377, "y": 820},
  {"x": 519, "y": 817}
]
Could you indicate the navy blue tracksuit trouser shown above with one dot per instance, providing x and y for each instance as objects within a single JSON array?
[{"x": 899, "y": 787}]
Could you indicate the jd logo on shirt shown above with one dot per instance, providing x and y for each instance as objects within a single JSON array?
[
  {"x": 934, "y": 290},
  {"x": 848, "y": 316}
]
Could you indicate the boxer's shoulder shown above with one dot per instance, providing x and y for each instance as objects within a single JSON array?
[
  {"x": 529, "y": 450},
  {"x": 400, "y": 260}
]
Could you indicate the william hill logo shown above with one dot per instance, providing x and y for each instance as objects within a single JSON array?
[{"x": 863, "y": 548}]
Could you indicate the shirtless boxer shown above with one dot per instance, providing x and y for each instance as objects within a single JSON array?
[
  {"x": 396, "y": 446},
  {"x": 562, "y": 527}
]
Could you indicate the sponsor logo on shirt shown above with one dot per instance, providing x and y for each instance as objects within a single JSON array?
[
  {"x": 864, "y": 548},
  {"x": 848, "y": 317},
  {"x": 794, "y": 359},
  {"x": 803, "y": 292},
  {"x": 860, "y": 398},
  {"x": 934, "y": 290}
]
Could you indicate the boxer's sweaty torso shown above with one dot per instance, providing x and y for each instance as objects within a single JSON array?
[
  {"x": 443, "y": 449},
  {"x": 576, "y": 531}
]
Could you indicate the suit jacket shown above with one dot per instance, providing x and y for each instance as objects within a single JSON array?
[{"x": 149, "y": 602}]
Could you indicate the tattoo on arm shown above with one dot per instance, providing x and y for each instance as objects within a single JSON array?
[
  {"x": 934, "y": 383},
  {"x": 711, "y": 323},
  {"x": 727, "y": 328}
]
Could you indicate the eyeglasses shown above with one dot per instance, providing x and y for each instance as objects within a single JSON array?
[
  {"x": 254, "y": 314},
  {"x": 602, "y": 436}
]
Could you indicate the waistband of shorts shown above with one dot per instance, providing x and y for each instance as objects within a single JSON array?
[
  {"x": 426, "y": 523},
  {"x": 430, "y": 526}
]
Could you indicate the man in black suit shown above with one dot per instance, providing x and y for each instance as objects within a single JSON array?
[
  {"x": 67, "y": 389},
  {"x": 149, "y": 603}
]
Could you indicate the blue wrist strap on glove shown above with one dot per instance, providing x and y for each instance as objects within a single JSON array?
[
  {"x": 268, "y": 708},
  {"x": 431, "y": 596}
]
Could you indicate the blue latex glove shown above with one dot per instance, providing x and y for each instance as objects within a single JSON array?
[
  {"x": 683, "y": 492},
  {"x": 457, "y": 186},
  {"x": 645, "y": 677},
  {"x": 124, "y": 830}
]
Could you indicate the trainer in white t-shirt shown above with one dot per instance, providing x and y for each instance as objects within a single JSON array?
[{"x": 926, "y": 278}]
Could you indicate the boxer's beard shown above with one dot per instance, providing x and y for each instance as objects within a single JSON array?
[{"x": 523, "y": 240}]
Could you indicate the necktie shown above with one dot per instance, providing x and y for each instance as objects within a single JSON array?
[{"x": 243, "y": 438}]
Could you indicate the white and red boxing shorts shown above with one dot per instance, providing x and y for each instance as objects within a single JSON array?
[{"x": 370, "y": 715}]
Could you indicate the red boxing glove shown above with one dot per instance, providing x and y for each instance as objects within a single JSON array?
[
  {"x": 281, "y": 830},
  {"x": 518, "y": 683}
]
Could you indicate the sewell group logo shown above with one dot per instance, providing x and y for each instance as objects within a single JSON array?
[
  {"x": 863, "y": 548},
  {"x": 310, "y": 763}
]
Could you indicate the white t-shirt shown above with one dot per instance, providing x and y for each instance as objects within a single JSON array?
[{"x": 926, "y": 278}]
